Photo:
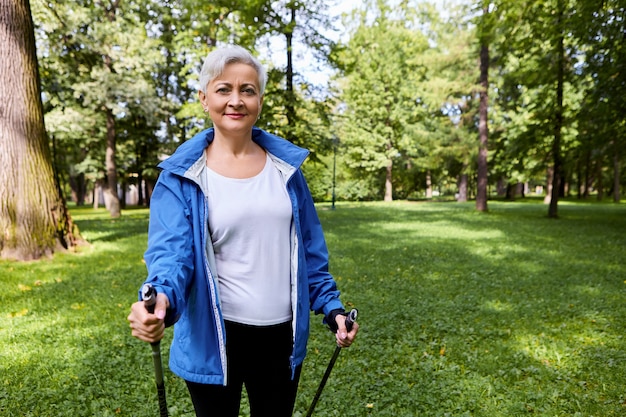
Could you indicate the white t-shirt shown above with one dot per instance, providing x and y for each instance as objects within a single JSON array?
[{"x": 250, "y": 223}]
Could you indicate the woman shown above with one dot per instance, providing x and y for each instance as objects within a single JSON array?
[{"x": 236, "y": 253}]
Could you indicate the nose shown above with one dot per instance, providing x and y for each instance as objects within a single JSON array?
[{"x": 235, "y": 100}]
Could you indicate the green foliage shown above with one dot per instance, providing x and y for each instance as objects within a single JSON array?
[
  {"x": 404, "y": 97},
  {"x": 461, "y": 314},
  {"x": 414, "y": 72},
  {"x": 382, "y": 74}
]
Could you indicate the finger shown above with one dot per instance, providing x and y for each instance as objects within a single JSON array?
[
  {"x": 349, "y": 337},
  {"x": 342, "y": 332},
  {"x": 147, "y": 333},
  {"x": 162, "y": 304},
  {"x": 145, "y": 326}
]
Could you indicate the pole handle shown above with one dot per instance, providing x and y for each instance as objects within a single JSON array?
[
  {"x": 351, "y": 319},
  {"x": 149, "y": 297}
]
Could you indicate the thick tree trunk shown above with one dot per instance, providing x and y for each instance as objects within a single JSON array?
[
  {"x": 483, "y": 128},
  {"x": 33, "y": 217}
]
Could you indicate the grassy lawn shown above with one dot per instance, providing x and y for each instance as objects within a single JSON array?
[{"x": 507, "y": 313}]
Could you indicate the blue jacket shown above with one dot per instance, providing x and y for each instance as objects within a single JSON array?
[{"x": 181, "y": 263}]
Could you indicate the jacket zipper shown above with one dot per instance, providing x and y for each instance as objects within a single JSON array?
[{"x": 213, "y": 289}]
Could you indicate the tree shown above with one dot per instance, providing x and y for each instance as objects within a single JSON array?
[
  {"x": 384, "y": 94},
  {"x": 558, "y": 110},
  {"x": 537, "y": 82},
  {"x": 290, "y": 110},
  {"x": 602, "y": 30},
  {"x": 98, "y": 72},
  {"x": 483, "y": 127},
  {"x": 33, "y": 215}
]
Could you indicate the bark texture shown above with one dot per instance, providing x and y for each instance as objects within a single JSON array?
[
  {"x": 483, "y": 131},
  {"x": 33, "y": 218}
]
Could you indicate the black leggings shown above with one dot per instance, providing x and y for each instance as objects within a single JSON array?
[{"x": 257, "y": 357}]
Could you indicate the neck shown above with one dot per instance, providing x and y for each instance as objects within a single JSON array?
[{"x": 234, "y": 143}]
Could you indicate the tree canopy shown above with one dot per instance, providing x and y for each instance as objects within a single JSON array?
[{"x": 400, "y": 111}]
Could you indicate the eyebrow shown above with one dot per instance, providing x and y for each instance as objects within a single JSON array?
[{"x": 226, "y": 83}]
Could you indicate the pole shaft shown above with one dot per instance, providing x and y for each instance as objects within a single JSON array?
[
  {"x": 350, "y": 319},
  {"x": 331, "y": 364},
  {"x": 149, "y": 297}
]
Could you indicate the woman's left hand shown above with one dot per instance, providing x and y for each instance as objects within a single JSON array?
[{"x": 345, "y": 338}]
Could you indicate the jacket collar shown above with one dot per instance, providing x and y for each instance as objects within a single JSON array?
[{"x": 189, "y": 154}]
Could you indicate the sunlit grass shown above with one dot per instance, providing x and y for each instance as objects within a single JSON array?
[{"x": 506, "y": 313}]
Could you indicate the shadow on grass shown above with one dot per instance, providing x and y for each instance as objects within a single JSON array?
[
  {"x": 66, "y": 347},
  {"x": 506, "y": 313},
  {"x": 497, "y": 314},
  {"x": 97, "y": 225}
]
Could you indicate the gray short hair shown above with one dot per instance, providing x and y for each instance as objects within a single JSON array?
[{"x": 217, "y": 59}]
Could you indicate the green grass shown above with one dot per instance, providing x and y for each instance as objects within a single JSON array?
[{"x": 507, "y": 313}]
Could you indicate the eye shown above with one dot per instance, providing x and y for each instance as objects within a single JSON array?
[
  {"x": 223, "y": 90},
  {"x": 249, "y": 91}
]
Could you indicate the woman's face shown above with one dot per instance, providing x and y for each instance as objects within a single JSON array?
[{"x": 233, "y": 99}]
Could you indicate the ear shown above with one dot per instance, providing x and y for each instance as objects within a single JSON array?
[
  {"x": 202, "y": 97},
  {"x": 260, "y": 107}
]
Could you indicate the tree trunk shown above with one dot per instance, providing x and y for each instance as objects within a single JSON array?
[
  {"x": 616, "y": 172},
  {"x": 599, "y": 181},
  {"x": 290, "y": 110},
  {"x": 111, "y": 198},
  {"x": 549, "y": 185},
  {"x": 33, "y": 216},
  {"x": 501, "y": 187},
  {"x": 388, "y": 181},
  {"x": 462, "y": 197},
  {"x": 579, "y": 182},
  {"x": 78, "y": 187},
  {"x": 140, "y": 189},
  {"x": 429, "y": 185},
  {"x": 511, "y": 190},
  {"x": 483, "y": 127},
  {"x": 558, "y": 118}
]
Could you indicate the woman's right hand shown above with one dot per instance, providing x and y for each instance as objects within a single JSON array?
[{"x": 146, "y": 326}]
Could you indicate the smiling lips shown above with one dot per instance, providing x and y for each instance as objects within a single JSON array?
[{"x": 235, "y": 115}]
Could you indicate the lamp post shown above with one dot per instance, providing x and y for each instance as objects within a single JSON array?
[{"x": 335, "y": 141}]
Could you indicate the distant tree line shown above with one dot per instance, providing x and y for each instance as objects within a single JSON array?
[{"x": 119, "y": 81}]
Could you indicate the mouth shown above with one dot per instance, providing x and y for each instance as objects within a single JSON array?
[{"x": 235, "y": 115}]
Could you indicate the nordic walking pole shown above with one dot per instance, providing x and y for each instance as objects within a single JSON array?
[
  {"x": 149, "y": 296},
  {"x": 350, "y": 319}
]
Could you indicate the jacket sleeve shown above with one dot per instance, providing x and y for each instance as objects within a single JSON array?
[
  {"x": 169, "y": 256},
  {"x": 323, "y": 292}
]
